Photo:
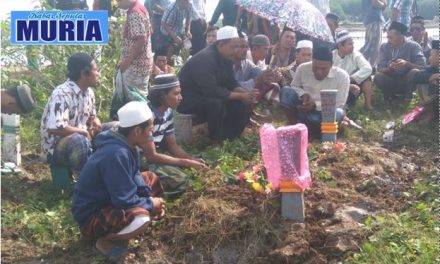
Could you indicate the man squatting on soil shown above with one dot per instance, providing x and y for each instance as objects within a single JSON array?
[{"x": 113, "y": 201}]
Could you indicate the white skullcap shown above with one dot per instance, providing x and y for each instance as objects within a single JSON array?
[
  {"x": 342, "y": 35},
  {"x": 134, "y": 113},
  {"x": 227, "y": 32},
  {"x": 304, "y": 44}
]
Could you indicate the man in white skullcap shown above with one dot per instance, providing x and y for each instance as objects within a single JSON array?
[
  {"x": 304, "y": 50},
  {"x": 113, "y": 201},
  {"x": 210, "y": 91},
  {"x": 355, "y": 64}
]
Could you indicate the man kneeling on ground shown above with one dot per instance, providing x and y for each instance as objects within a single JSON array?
[
  {"x": 164, "y": 98},
  {"x": 69, "y": 122},
  {"x": 302, "y": 101},
  {"x": 112, "y": 201},
  {"x": 211, "y": 92}
]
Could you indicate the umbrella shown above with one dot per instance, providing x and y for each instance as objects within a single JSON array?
[{"x": 298, "y": 15}]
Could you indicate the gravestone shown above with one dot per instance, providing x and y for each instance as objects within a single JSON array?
[
  {"x": 11, "y": 149},
  {"x": 183, "y": 128},
  {"x": 329, "y": 126}
]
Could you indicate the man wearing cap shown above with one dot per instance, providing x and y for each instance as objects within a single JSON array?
[
  {"x": 396, "y": 59},
  {"x": 246, "y": 72},
  {"x": 113, "y": 201},
  {"x": 303, "y": 54},
  {"x": 164, "y": 97},
  {"x": 302, "y": 102},
  {"x": 354, "y": 63},
  {"x": 17, "y": 100},
  {"x": 259, "y": 50},
  {"x": 69, "y": 120},
  {"x": 210, "y": 90}
]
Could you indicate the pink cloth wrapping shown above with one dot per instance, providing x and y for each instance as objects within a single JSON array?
[
  {"x": 415, "y": 114},
  {"x": 284, "y": 151}
]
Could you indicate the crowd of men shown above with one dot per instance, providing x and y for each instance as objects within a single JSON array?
[{"x": 228, "y": 73}]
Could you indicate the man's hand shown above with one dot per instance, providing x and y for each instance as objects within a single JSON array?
[
  {"x": 399, "y": 65},
  {"x": 87, "y": 134},
  {"x": 266, "y": 77},
  {"x": 196, "y": 164},
  {"x": 188, "y": 35},
  {"x": 355, "y": 89},
  {"x": 178, "y": 40},
  {"x": 158, "y": 208},
  {"x": 307, "y": 103},
  {"x": 434, "y": 79},
  {"x": 95, "y": 124}
]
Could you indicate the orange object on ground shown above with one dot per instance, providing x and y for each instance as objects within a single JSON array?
[{"x": 289, "y": 186}]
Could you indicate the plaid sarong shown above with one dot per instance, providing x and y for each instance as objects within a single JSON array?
[
  {"x": 373, "y": 40},
  {"x": 129, "y": 86},
  {"x": 110, "y": 220},
  {"x": 72, "y": 151}
]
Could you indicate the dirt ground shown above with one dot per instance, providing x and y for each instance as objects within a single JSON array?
[{"x": 226, "y": 223}]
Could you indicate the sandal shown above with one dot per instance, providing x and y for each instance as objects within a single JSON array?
[{"x": 116, "y": 254}]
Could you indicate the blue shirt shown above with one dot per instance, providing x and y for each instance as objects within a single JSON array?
[
  {"x": 371, "y": 13},
  {"x": 174, "y": 17},
  {"x": 162, "y": 3},
  {"x": 246, "y": 74},
  {"x": 111, "y": 177}
]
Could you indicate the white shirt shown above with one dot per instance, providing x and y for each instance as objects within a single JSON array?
[
  {"x": 261, "y": 64},
  {"x": 67, "y": 106},
  {"x": 354, "y": 64},
  {"x": 198, "y": 11},
  {"x": 306, "y": 83}
]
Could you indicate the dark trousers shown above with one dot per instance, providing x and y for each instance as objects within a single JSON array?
[
  {"x": 156, "y": 38},
  {"x": 226, "y": 119},
  {"x": 393, "y": 85},
  {"x": 198, "y": 28}
]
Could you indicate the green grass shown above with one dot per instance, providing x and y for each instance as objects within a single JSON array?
[
  {"x": 30, "y": 134},
  {"x": 37, "y": 214},
  {"x": 409, "y": 237}
]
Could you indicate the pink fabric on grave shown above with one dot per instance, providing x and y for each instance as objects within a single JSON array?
[{"x": 284, "y": 151}]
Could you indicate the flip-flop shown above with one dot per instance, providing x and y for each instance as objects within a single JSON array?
[{"x": 115, "y": 254}]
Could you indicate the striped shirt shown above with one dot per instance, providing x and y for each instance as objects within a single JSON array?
[
  {"x": 163, "y": 126},
  {"x": 404, "y": 7},
  {"x": 174, "y": 17}
]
